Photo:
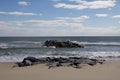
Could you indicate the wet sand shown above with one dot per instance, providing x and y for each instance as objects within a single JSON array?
[{"x": 108, "y": 71}]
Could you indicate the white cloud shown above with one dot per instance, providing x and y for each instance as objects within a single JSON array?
[
  {"x": 101, "y": 15},
  {"x": 74, "y": 19},
  {"x": 61, "y": 26},
  {"x": 3, "y": 22},
  {"x": 66, "y": 22},
  {"x": 85, "y": 17},
  {"x": 83, "y": 4},
  {"x": 116, "y": 16},
  {"x": 14, "y": 30},
  {"x": 109, "y": 8},
  {"x": 101, "y": 31},
  {"x": 17, "y": 13},
  {"x": 69, "y": 6},
  {"x": 119, "y": 22},
  {"x": 42, "y": 25},
  {"x": 40, "y": 14},
  {"x": 23, "y": 3}
]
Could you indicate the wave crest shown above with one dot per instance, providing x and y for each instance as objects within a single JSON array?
[{"x": 98, "y": 43}]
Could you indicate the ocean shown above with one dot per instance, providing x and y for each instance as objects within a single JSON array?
[{"x": 14, "y": 49}]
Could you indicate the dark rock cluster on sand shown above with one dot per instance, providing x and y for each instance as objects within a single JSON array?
[
  {"x": 62, "y": 44},
  {"x": 60, "y": 61}
]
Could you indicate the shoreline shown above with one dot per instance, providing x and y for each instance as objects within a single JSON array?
[{"x": 108, "y": 71}]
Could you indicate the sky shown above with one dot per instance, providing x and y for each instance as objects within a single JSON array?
[{"x": 59, "y": 17}]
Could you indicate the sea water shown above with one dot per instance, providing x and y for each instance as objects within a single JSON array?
[{"x": 14, "y": 49}]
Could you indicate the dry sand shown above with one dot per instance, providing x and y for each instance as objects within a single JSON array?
[{"x": 108, "y": 71}]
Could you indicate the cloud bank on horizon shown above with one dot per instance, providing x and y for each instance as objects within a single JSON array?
[{"x": 60, "y": 18}]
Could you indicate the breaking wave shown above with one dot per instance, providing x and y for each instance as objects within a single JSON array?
[
  {"x": 98, "y": 55},
  {"x": 98, "y": 43}
]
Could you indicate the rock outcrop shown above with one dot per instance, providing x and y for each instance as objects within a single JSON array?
[
  {"x": 59, "y": 61},
  {"x": 62, "y": 44}
]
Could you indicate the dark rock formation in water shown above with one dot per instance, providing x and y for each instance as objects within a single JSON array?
[
  {"x": 62, "y": 44},
  {"x": 60, "y": 61}
]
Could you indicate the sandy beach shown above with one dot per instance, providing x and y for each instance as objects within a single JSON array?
[{"x": 108, "y": 71}]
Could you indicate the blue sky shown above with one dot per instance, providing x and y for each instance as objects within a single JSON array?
[{"x": 59, "y": 17}]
